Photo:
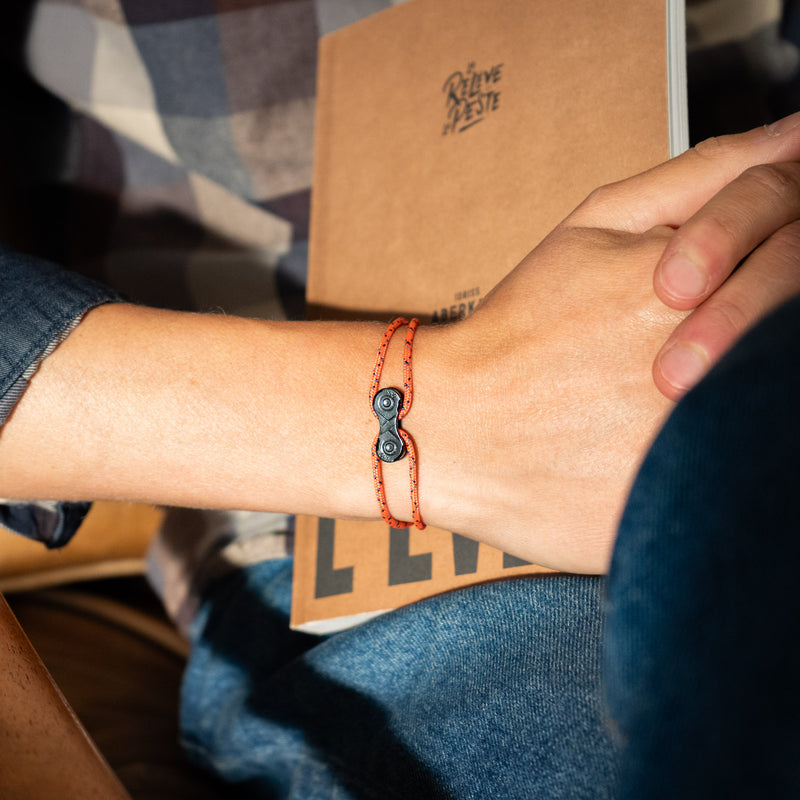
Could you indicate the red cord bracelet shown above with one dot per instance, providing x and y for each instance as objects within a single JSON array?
[{"x": 390, "y": 405}]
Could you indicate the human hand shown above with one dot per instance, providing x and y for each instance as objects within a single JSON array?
[
  {"x": 530, "y": 417},
  {"x": 752, "y": 223},
  {"x": 559, "y": 403}
]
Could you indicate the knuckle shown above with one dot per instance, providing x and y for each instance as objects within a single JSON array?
[
  {"x": 604, "y": 203},
  {"x": 780, "y": 180},
  {"x": 779, "y": 274},
  {"x": 598, "y": 198},
  {"x": 728, "y": 317},
  {"x": 719, "y": 230},
  {"x": 713, "y": 148},
  {"x": 788, "y": 239}
]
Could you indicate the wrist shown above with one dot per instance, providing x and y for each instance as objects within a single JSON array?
[{"x": 437, "y": 421}]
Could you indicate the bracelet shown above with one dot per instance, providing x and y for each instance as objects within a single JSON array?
[{"x": 390, "y": 405}]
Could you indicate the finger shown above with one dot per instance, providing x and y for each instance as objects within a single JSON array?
[
  {"x": 770, "y": 277},
  {"x": 672, "y": 192},
  {"x": 706, "y": 249}
]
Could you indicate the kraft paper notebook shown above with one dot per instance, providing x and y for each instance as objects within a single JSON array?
[{"x": 451, "y": 136}]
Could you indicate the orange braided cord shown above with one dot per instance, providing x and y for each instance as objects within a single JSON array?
[
  {"x": 380, "y": 489},
  {"x": 378, "y": 368},
  {"x": 413, "y": 479},
  {"x": 408, "y": 382},
  {"x": 408, "y": 391}
]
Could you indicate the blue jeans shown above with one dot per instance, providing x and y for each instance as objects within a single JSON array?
[
  {"x": 494, "y": 686},
  {"x": 674, "y": 678},
  {"x": 702, "y": 650}
]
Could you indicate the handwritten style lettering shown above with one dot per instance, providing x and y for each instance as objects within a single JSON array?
[{"x": 470, "y": 96}]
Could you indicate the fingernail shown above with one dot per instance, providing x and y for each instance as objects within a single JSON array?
[
  {"x": 683, "y": 365},
  {"x": 784, "y": 125},
  {"x": 684, "y": 278}
]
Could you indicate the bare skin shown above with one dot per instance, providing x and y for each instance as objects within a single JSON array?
[{"x": 530, "y": 418}]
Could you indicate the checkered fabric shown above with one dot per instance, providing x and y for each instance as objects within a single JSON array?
[
  {"x": 181, "y": 173},
  {"x": 189, "y": 153},
  {"x": 188, "y": 157},
  {"x": 178, "y": 169}
]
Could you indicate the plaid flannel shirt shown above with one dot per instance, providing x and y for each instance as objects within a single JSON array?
[
  {"x": 183, "y": 166},
  {"x": 189, "y": 151},
  {"x": 189, "y": 154},
  {"x": 183, "y": 162}
]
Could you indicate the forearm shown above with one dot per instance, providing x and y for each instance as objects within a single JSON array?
[
  {"x": 200, "y": 410},
  {"x": 530, "y": 417}
]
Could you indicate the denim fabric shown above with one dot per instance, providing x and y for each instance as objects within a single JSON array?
[
  {"x": 39, "y": 305},
  {"x": 492, "y": 691},
  {"x": 703, "y": 630},
  {"x": 49, "y": 521},
  {"x": 496, "y": 691}
]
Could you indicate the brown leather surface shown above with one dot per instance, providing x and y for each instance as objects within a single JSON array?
[
  {"x": 123, "y": 680},
  {"x": 44, "y": 751}
]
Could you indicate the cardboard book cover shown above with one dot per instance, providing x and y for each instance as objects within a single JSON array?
[{"x": 451, "y": 137}]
